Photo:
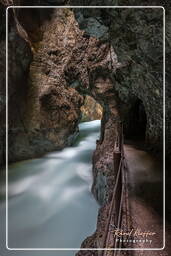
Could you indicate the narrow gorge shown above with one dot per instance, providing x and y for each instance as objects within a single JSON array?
[{"x": 85, "y": 102}]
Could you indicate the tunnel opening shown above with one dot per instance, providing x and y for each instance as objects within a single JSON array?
[{"x": 136, "y": 121}]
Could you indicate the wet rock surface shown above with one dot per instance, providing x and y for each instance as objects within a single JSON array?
[
  {"x": 91, "y": 110},
  {"x": 146, "y": 86},
  {"x": 58, "y": 74},
  {"x": 52, "y": 109},
  {"x": 137, "y": 39},
  {"x": 62, "y": 68},
  {"x": 80, "y": 61}
]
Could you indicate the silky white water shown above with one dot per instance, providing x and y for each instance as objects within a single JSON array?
[{"x": 50, "y": 200}]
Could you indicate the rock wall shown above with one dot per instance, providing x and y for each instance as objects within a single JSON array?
[
  {"x": 91, "y": 110},
  {"x": 124, "y": 44},
  {"x": 64, "y": 67},
  {"x": 104, "y": 170},
  {"x": 132, "y": 80},
  {"x": 52, "y": 74},
  {"x": 142, "y": 78},
  {"x": 19, "y": 60},
  {"x": 137, "y": 38},
  {"x": 2, "y": 84},
  {"x": 52, "y": 108}
]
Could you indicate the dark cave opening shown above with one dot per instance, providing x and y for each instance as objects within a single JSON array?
[{"x": 136, "y": 121}]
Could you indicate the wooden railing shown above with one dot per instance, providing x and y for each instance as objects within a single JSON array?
[{"x": 116, "y": 205}]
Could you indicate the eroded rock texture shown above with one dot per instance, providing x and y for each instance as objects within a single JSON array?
[
  {"x": 53, "y": 109},
  {"x": 18, "y": 66},
  {"x": 71, "y": 60},
  {"x": 137, "y": 37},
  {"x": 46, "y": 110},
  {"x": 91, "y": 110},
  {"x": 140, "y": 52}
]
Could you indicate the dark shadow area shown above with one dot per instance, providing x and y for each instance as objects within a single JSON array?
[
  {"x": 31, "y": 20},
  {"x": 135, "y": 122},
  {"x": 149, "y": 192},
  {"x": 168, "y": 192},
  {"x": 146, "y": 177}
]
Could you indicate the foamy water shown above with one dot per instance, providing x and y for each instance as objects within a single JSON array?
[{"x": 50, "y": 200}]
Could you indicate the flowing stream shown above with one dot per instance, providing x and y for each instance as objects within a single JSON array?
[{"x": 50, "y": 199}]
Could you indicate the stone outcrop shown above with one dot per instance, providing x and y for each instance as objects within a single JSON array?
[
  {"x": 132, "y": 52},
  {"x": 91, "y": 110},
  {"x": 52, "y": 108},
  {"x": 46, "y": 110},
  {"x": 138, "y": 45}
]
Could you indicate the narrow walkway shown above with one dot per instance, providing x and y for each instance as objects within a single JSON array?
[{"x": 145, "y": 188}]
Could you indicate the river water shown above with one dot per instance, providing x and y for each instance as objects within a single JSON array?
[{"x": 50, "y": 200}]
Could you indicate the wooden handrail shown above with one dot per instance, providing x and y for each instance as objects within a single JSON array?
[{"x": 115, "y": 209}]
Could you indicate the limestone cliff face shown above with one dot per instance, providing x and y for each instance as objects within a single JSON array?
[
  {"x": 65, "y": 63},
  {"x": 100, "y": 24},
  {"x": 91, "y": 110},
  {"x": 52, "y": 108},
  {"x": 142, "y": 85},
  {"x": 142, "y": 48},
  {"x": 122, "y": 37},
  {"x": 137, "y": 39},
  {"x": 137, "y": 77},
  {"x": 19, "y": 60}
]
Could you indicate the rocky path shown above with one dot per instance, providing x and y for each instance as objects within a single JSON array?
[{"x": 145, "y": 188}]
